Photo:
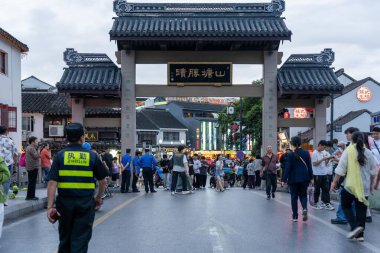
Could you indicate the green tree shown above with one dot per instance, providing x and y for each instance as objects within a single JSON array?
[{"x": 252, "y": 122}]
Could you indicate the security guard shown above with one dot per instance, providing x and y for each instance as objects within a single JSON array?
[{"x": 73, "y": 172}]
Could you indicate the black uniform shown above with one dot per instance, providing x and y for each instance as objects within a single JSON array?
[{"x": 75, "y": 168}]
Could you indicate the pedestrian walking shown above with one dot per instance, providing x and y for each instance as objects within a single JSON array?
[
  {"x": 269, "y": 171},
  {"x": 9, "y": 153},
  {"x": 33, "y": 163},
  {"x": 164, "y": 163},
  {"x": 203, "y": 172},
  {"x": 72, "y": 173},
  {"x": 148, "y": 164},
  {"x": 116, "y": 169},
  {"x": 359, "y": 165},
  {"x": 251, "y": 174},
  {"x": 126, "y": 171},
  {"x": 219, "y": 173},
  {"x": 4, "y": 176},
  {"x": 258, "y": 163},
  {"x": 375, "y": 147},
  {"x": 45, "y": 162},
  {"x": 298, "y": 174},
  {"x": 197, "y": 173},
  {"x": 180, "y": 168},
  {"x": 136, "y": 171},
  {"x": 320, "y": 159}
]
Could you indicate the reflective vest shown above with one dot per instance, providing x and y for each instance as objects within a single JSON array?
[{"x": 76, "y": 176}]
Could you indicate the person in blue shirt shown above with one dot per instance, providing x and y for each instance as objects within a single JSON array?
[
  {"x": 136, "y": 171},
  {"x": 126, "y": 171},
  {"x": 148, "y": 163}
]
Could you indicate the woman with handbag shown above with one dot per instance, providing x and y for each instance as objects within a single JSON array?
[{"x": 298, "y": 175}]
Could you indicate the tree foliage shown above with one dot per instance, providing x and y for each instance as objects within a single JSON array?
[{"x": 252, "y": 122}]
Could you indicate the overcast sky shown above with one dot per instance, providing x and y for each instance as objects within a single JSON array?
[{"x": 351, "y": 28}]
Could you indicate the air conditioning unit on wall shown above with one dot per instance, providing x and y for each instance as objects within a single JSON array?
[{"x": 56, "y": 131}]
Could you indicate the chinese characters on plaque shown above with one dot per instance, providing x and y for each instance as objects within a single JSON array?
[
  {"x": 364, "y": 94},
  {"x": 300, "y": 113},
  {"x": 91, "y": 136},
  {"x": 200, "y": 73}
]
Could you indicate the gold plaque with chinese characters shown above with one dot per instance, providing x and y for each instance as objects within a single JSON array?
[{"x": 199, "y": 73}]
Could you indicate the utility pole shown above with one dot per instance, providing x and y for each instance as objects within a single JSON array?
[
  {"x": 241, "y": 123},
  {"x": 332, "y": 117}
]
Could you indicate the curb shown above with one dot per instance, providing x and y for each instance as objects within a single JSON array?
[{"x": 23, "y": 209}]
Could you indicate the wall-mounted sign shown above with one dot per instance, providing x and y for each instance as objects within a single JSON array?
[
  {"x": 300, "y": 113},
  {"x": 199, "y": 73},
  {"x": 338, "y": 128},
  {"x": 91, "y": 136},
  {"x": 364, "y": 94}
]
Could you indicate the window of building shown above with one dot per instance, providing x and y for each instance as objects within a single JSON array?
[
  {"x": 28, "y": 123},
  {"x": 12, "y": 119},
  {"x": 171, "y": 136},
  {"x": 3, "y": 62}
]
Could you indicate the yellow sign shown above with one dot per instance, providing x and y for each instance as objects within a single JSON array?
[
  {"x": 91, "y": 136},
  {"x": 76, "y": 158}
]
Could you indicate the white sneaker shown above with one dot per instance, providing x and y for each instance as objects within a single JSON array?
[
  {"x": 173, "y": 193},
  {"x": 355, "y": 232},
  {"x": 322, "y": 204},
  {"x": 329, "y": 207},
  {"x": 185, "y": 192},
  {"x": 317, "y": 206},
  {"x": 360, "y": 239}
]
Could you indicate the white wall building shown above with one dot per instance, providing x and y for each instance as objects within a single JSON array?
[{"x": 11, "y": 51}]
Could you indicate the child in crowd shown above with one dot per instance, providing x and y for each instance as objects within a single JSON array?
[{"x": 115, "y": 172}]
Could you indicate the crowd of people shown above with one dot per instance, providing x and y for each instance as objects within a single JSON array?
[{"x": 349, "y": 168}]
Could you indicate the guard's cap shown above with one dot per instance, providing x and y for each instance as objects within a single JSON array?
[{"x": 74, "y": 131}]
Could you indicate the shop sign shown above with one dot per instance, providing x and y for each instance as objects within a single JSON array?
[
  {"x": 91, "y": 136},
  {"x": 300, "y": 113},
  {"x": 364, "y": 94},
  {"x": 199, "y": 73},
  {"x": 338, "y": 128}
]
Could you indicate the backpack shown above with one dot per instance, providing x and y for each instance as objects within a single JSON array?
[{"x": 4, "y": 176}]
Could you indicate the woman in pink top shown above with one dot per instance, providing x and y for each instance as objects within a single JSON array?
[{"x": 45, "y": 162}]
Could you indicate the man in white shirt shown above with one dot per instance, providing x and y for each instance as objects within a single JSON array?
[
  {"x": 197, "y": 165},
  {"x": 180, "y": 168},
  {"x": 319, "y": 160}
]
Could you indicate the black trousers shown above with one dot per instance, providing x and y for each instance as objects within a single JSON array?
[
  {"x": 134, "y": 182},
  {"x": 321, "y": 183},
  {"x": 251, "y": 181},
  {"x": 183, "y": 179},
  {"x": 258, "y": 178},
  {"x": 271, "y": 181},
  {"x": 245, "y": 180},
  {"x": 361, "y": 210},
  {"x": 75, "y": 223},
  {"x": 298, "y": 191},
  {"x": 32, "y": 181},
  {"x": 125, "y": 180},
  {"x": 203, "y": 180},
  {"x": 148, "y": 179},
  {"x": 198, "y": 181}
]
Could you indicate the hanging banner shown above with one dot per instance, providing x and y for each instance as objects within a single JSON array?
[{"x": 199, "y": 73}]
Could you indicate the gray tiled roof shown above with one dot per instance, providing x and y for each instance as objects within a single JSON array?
[
  {"x": 343, "y": 120},
  {"x": 144, "y": 123},
  {"x": 162, "y": 118},
  {"x": 89, "y": 72},
  {"x": 309, "y": 73},
  {"x": 45, "y": 103},
  {"x": 5, "y": 35},
  {"x": 199, "y": 106},
  {"x": 185, "y": 25}
]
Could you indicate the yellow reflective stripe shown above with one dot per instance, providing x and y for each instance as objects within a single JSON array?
[
  {"x": 76, "y": 185},
  {"x": 75, "y": 173}
]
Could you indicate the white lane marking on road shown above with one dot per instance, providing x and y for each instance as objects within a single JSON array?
[
  {"x": 219, "y": 235},
  {"x": 367, "y": 245}
]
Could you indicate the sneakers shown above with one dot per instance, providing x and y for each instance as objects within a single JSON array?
[
  {"x": 368, "y": 219},
  {"x": 173, "y": 192},
  {"x": 295, "y": 219},
  {"x": 273, "y": 196},
  {"x": 304, "y": 215},
  {"x": 317, "y": 206},
  {"x": 360, "y": 239},
  {"x": 268, "y": 197},
  {"x": 329, "y": 207},
  {"x": 185, "y": 192},
  {"x": 355, "y": 232}
]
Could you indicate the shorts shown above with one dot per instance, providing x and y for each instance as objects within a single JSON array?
[
  {"x": 115, "y": 176},
  {"x": 191, "y": 171}
]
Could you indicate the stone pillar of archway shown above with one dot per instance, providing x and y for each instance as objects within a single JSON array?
[
  {"x": 269, "y": 134},
  {"x": 320, "y": 129},
  {"x": 128, "y": 101}
]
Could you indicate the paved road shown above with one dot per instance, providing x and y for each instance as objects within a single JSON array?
[{"x": 231, "y": 222}]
